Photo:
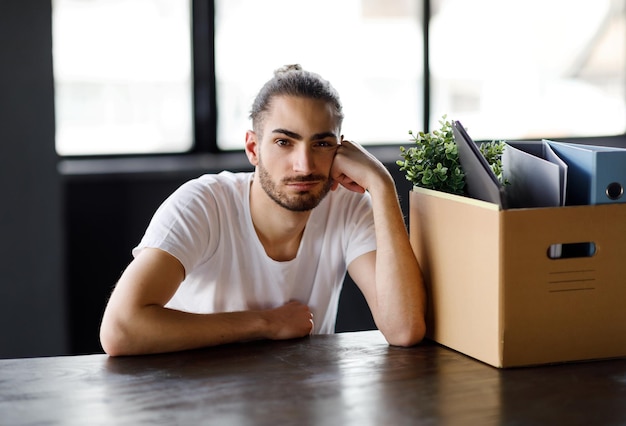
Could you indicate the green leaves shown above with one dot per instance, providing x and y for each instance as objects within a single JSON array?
[
  {"x": 434, "y": 160},
  {"x": 492, "y": 151}
]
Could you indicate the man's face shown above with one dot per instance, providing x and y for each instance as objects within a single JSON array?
[{"x": 295, "y": 151}]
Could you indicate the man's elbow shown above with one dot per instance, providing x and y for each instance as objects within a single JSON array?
[
  {"x": 408, "y": 335},
  {"x": 113, "y": 339}
]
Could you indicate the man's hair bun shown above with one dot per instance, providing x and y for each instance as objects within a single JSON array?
[{"x": 288, "y": 68}]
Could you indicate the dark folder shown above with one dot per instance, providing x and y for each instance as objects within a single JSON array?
[{"x": 481, "y": 183}]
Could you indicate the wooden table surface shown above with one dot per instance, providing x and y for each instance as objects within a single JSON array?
[{"x": 342, "y": 379}]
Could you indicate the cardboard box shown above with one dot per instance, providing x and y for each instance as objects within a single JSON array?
[{"x": 496, "y": 295}]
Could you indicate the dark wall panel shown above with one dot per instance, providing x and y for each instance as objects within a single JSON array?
[{"x": 32, "y": 293}]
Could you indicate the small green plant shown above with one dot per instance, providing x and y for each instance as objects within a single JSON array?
[
  {"x": 492, "y": 151},
  {"x": 434, "y": 163}
]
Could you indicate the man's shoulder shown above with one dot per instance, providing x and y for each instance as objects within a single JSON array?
[
  {"x": 212, "y": 190},
  {"x": 223, "y": 182},
  {"x": 224, "y": 178}
]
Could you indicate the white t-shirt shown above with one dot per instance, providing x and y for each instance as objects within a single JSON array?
[{"x": 206, "y": 224}]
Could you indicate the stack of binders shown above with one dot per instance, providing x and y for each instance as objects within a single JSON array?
[{"x": 544, "y": 173}]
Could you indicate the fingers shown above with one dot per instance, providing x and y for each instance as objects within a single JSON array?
[
  {"x": 291, "y": 320},
  {"x": 347, "y": 183},
  {"x": 350, "y": 167}
]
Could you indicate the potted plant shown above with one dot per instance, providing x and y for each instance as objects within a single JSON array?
[{"x": 433, "y": 162}]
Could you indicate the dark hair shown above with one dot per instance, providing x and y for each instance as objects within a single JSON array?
[{"x": 292, "y": 80}]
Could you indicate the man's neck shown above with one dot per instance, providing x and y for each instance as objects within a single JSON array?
[{"x": 280, "y": 230}]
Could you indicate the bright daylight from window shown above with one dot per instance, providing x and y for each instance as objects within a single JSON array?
[
  {"x": 122, "y": 73},
  {"x": 514, "y": 69},
  {"x": 525, "y": 69},
  {"x": 370, "y": 50}
]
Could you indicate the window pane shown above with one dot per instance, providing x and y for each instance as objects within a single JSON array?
[
  {"x": 370, "y": 51},
  {"x": 122, "y": 71},
  {"x": 520, "y": 69}
]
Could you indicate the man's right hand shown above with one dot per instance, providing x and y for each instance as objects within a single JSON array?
[{"x": 291, "y": 320}]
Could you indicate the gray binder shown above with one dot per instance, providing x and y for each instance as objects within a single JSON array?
[
  {"x": 536, "y": 176},
  {"x": 481, "y": 183}
]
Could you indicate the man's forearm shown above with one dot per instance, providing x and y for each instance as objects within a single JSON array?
[
  {"x": 155, "y": 329},
  {"x": 400, "y": 295}
]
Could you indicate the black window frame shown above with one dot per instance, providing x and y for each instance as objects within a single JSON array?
[{"x": 204, "y": 82}]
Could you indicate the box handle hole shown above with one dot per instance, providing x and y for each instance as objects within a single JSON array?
[
  {"x": 571, "y": 250},
  {"x": 614, "y": 191}
]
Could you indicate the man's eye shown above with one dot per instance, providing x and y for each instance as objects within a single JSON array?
[
  {"x": 325, "y": 144},
  {"x": 282, "y": 142}
]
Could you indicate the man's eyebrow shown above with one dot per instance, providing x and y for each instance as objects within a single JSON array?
[
  {"x": 323, "y": 135},
  {"x": 288, "y": 133},
  {"x": 294, "y": 135}
]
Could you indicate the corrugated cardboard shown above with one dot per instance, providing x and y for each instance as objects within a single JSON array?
[{"x": 496, "y": 295}]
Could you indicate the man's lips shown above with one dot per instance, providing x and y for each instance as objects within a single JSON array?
[
  {"x": 302, "y": 186},
  {"x": 304, "y": 183}
]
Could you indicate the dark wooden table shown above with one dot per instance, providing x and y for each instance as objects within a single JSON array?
[{"x": 350, "y": 378}]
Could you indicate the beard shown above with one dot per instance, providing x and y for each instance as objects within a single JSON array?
[{"x": 300, "y": 202}]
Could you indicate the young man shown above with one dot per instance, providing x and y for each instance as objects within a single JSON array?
[{"x": 242, "y": 256}]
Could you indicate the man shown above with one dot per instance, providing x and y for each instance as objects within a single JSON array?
[{"x": 242, "y": 256}]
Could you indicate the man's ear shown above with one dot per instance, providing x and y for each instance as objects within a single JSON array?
[{"x": 252, "y": 146}]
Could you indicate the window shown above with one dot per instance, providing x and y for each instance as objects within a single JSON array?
[
  {"x": 370, "y": 51},
  {"x": 122, "y": 71},
  {"x": 520, "y": 69},
  {"x": 525, "y": 69}
]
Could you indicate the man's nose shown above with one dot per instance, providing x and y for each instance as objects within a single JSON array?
[{"x": 303, "y": 161}]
